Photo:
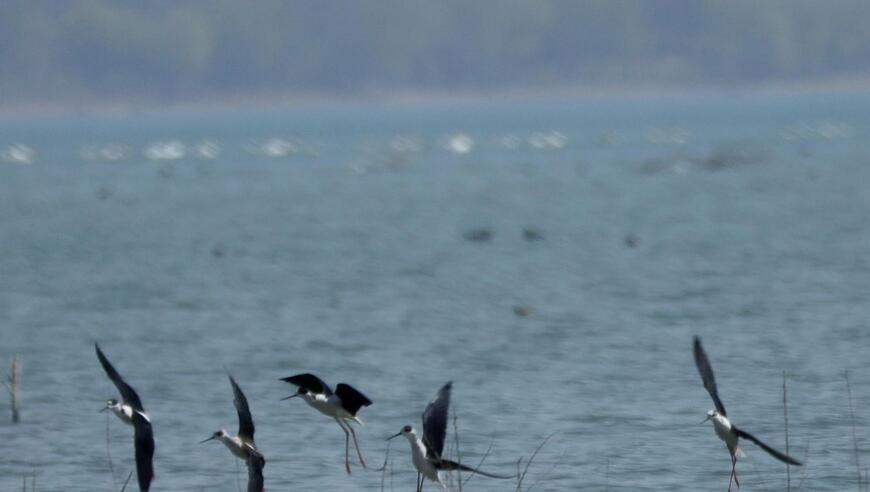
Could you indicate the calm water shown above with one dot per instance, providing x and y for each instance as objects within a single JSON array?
[{"x": 333, "y": 240}]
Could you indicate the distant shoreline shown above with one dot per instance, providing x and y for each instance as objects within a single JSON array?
[{"x": 90, "y": 106}]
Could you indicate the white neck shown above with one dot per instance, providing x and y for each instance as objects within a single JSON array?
[
  {"x": 123, "y": 412},
  {"x": 724, "y": 430},
  {"x": 418, "y": 457},
  {"x": 234, "y": 444}
]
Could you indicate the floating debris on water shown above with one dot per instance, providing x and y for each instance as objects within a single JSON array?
[
  {"x": 532, "y": 234},
  {"x": 479, "y": 234},
  {"x": 522, "y": 311}
]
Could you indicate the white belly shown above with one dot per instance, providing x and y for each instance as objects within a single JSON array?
[
  {"x": 424, "y": 466},
  {"x": 322, "y": 406},
  {"x": 237, "y": 447},
  {"x": 722, "y": 427},
  {"x": 125, "y": 413}
]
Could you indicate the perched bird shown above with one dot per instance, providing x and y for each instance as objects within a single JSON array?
[
  {"x": 723, "y": 427},
  {"x": 426, "y": 451},
  {"x": 242, "y": 444},
  {"x": 131, "y": 412},
  {"x": 342, "y": 405}
]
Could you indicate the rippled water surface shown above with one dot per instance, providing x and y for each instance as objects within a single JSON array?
[{"x": 553, "y": 259}]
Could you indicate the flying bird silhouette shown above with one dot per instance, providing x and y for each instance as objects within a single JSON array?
[
  {"x": 130, "y": 410},
  {"x": 726, "y": 431}
]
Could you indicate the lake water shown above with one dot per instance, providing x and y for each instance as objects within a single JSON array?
[{"x": 552, "y": 258}]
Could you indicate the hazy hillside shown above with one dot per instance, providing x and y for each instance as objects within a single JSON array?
[{"x": 169, "y": 50}]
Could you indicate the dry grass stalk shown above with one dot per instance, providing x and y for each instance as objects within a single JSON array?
[
  {"x": 854, "y": 433},
  {"x": 129, "y": 476},
  {"x": 785, "y": 415},
  {"x": 109, "y": 454},
  {"x": 13, "y": 383},
  {"x": 456, "y": 443},
  {"x": 522, "y": 476}
]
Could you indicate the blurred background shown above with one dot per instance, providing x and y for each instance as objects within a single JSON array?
[
  {"x": 543, "y": 201},
  {"x": 100, "y": 51}
]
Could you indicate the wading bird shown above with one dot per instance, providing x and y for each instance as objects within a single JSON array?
[
  {"x": 242, "y": 444},
  {"x": 426, "y": 451},
  {"x": 131, "y": 412},
  {"x": 723, "y": 427},
  {"x": 342, "y": 405}
]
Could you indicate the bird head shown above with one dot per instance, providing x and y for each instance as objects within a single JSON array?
[
  {"x": 110, "y": 403},
  {"x": 300, "y": 392},
  {"x": 217, "y": 435},
  {"x": 710, "y": 414},
  {"x": 406, "y": 431}
]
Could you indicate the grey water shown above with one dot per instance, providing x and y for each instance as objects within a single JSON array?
[{"x": 553, "y": 258}]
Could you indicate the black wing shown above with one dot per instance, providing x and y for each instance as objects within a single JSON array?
[
  {"x": 310, "y": 382},
  {"x": 246, "y": 422},
  {"x": 452, "y": 465},
  {"x": 128, "y": 394},
  {"x": 776, "y": 454},
  {"x": 435, "y": 422},
  {"x": 706, "y": 372},
  {"x": 256, "y": 462},
  {"x": 351, "y": 399},
  {"x": 144, "y": 442}
]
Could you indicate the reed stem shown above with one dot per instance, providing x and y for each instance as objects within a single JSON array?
[
  {"x": 854, "y": 433},
  {"x": 785, "y": 415}
]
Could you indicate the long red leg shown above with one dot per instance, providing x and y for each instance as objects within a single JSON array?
[
  {"x": 356, "y": 445},
  {"x": 734, "y": 470},
  {"x": 346, "y": 447},
  {"x": 731, "y": 477}
]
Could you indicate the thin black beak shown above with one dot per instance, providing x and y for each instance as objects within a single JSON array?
[
  {"x": 708, "y": 418},
  {"x": 395, "y": 436},
  {"x": 103, "y": 409},
  {"x": 291, "y": 396},
  {"x": 206, "y": 440}
]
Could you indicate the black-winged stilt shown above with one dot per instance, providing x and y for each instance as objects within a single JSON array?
[
  {"x": 131, "y": 412},
  {"x": 723, "y": 427},
  {"x": 242, "y": 444},
  {"x": 426, "y": 451},
  {"x": 342, "y": 405}
]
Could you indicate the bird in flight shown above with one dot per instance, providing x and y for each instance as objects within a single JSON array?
[
  {"x": 242, "y": 444},
  {"x": 130, "y": 410},
  {"x": 342, "y": 405},
  {"x": 426, "y": 451},
  {"x": 726, "y": 431}
]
